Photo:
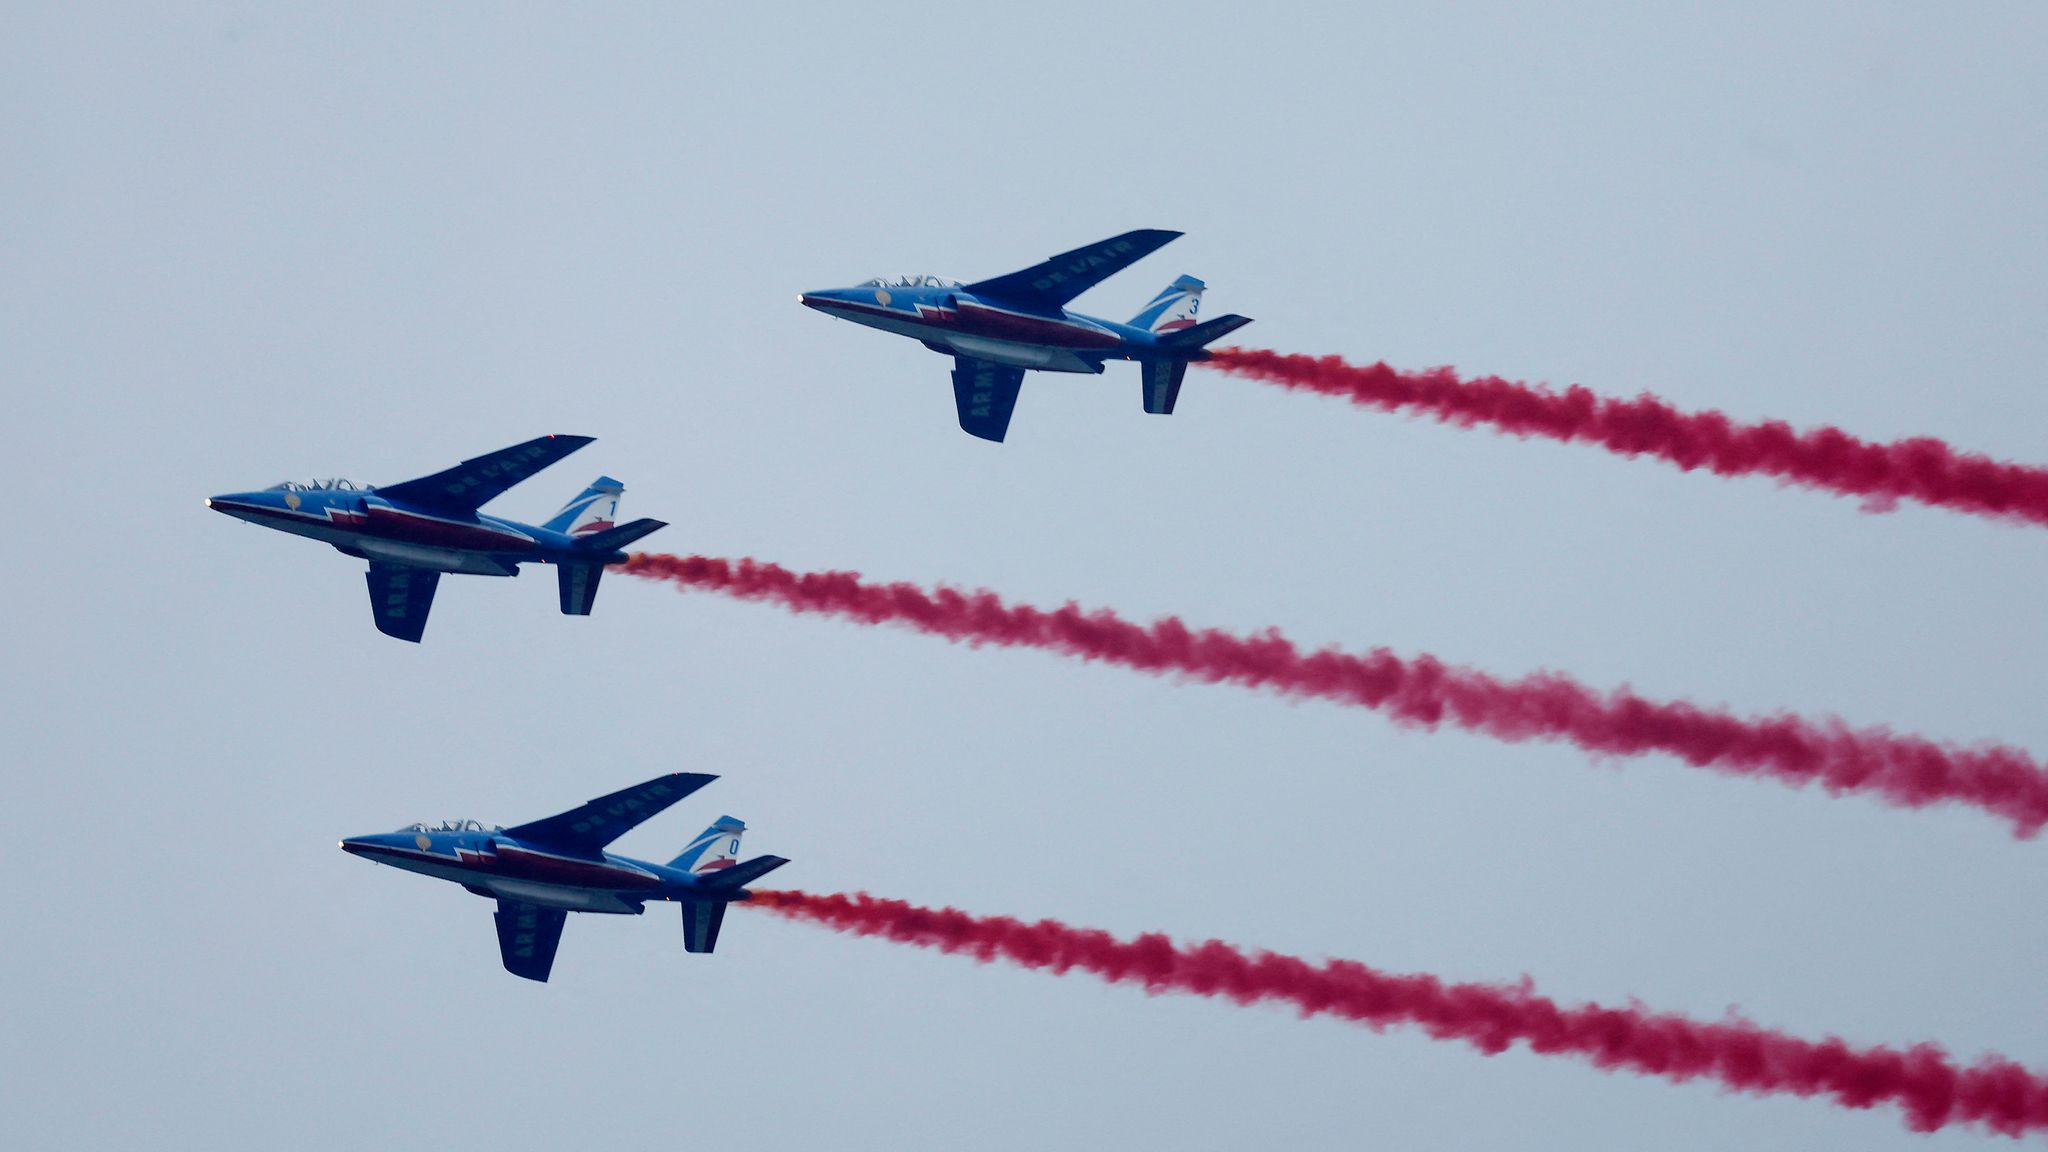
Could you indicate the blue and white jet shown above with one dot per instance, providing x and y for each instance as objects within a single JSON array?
[
  {"x": 540, "y": 872},
  {"x": 413, "y": 532},
  {"x": 997, "y": 329}
]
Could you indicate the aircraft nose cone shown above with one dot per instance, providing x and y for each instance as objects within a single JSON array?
[{"x": 355, "y": 846}]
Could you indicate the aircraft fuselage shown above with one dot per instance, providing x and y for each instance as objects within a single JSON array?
[
  {"x": 489, "y": 863},
  {"x": 362, "y": 524},
  {"x": 957, "y": 323}
]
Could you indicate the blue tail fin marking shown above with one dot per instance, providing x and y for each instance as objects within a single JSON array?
[
  {"x": 594, "y": 509},
  {"x": 714, "y": 850}
]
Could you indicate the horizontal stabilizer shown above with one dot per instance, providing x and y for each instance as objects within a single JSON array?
[
  {"x": 613, "y": 539},
  {"x": 579, "y": 587},
  {"x": 475, "y": 482},
  {"x": 741, "y": 875},
  {"x": 1162, "y": 385},
  {"x": 701, "y": 922},
  {"x": 587, "y": 829},
  {"x": 400, "y": 596},
  {"x": 527, "y": 938},
  {"x": 1047, "y": 287},
  {"x": 1207, "y": 332}
]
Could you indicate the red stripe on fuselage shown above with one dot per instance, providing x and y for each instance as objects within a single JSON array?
[
  {"x": 1002, "y": 324},
  {"x": 514, "y": 862},
  {"x": 388, "y": 523},
  {"x": 413, "y": 528},
  {"x": 546, "y": 868}
]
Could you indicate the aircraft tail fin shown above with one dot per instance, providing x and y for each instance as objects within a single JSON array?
[
  {"x": 713, "y": 857},
  {"x": 1173, "y": 309},
  {"x": 715, "y": 849},
  {"x": 594, "y": 509}
]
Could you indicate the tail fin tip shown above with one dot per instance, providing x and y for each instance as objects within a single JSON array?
[
  {"x": 715, "y": 849},
  {"x": 595, "y": 509},
  {"x": 1173, "y": 309}
]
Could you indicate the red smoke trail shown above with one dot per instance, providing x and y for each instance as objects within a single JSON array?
[
  {"x": 1922, "y": 468},
  {"x": 1995, "y": 1092},
  {"x": 1421, "y": 691}
]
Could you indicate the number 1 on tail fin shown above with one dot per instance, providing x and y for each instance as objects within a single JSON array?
[{"x": 595, "y": 509}]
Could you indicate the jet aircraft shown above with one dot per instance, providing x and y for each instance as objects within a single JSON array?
[
  {"x": 540, "y": 872},
  {"x": 997, "y": 329},
  {"x": 413, "y": 532}
]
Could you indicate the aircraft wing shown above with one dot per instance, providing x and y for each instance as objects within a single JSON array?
[
  {"x": 475, "y": 482},
  {"x": 586, "y": 830},
  {"x": 986, "y": 394},
  {"x": 1047, "y": 287},
  {"x": 400, "y": 597},
  {"x": 527, "y": 937}
]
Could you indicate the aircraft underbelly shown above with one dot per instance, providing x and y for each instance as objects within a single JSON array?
[
  {"x": 557, "y": 896},
  {"x": 428, "y": 556},
  {"x": 1014, "y": 353},
  {"x": 1042, "y": 357},
  {"x": 901, "y": 325}
]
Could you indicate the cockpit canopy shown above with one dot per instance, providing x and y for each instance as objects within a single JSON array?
[
  {"x": 329, "y": 485},
  {"x": 452, "y": 826},
  {"x": 925, "y": 281}
]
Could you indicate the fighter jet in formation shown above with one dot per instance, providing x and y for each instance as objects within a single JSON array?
[
  {"x": 413, "y": 532},
  {"x": 540, "y": 872},
  {"x": 997, "y": 329}
]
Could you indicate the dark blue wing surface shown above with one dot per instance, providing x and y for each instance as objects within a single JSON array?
[
  {"x": 471, "y": 484},
  {"x": 701, "y": 921},
  {"x": 1162, "y": 380},
  {"x": 579, "y": 587},
  {"x": 986, "y": 394},
  {"x": 400, "y": 597},
  {"x": 527, "y": 938},
  {"x": 1047, "y": 287},
  {"x": 587, "y": 829},
  {"x": 741, "y": 875}
]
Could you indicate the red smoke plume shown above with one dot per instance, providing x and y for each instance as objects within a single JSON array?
[
  {"x": 1420, "y": 691},
  {"x": 1995, "y": 1092},
  {"x": 1922, "y": 469}
]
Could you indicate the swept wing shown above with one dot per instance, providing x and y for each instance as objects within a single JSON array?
[
  {"x": 475, "y": 482},
  {"x": 400, "y": 597},
  {"x": 1047, "y": 287},
  {"x": 528, "y": 936},
  {"x": 985, "y": 394},
  {"x": 585, "y": 830}
]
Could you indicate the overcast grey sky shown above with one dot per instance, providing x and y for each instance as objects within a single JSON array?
[{"x": 247, "y": 242}]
